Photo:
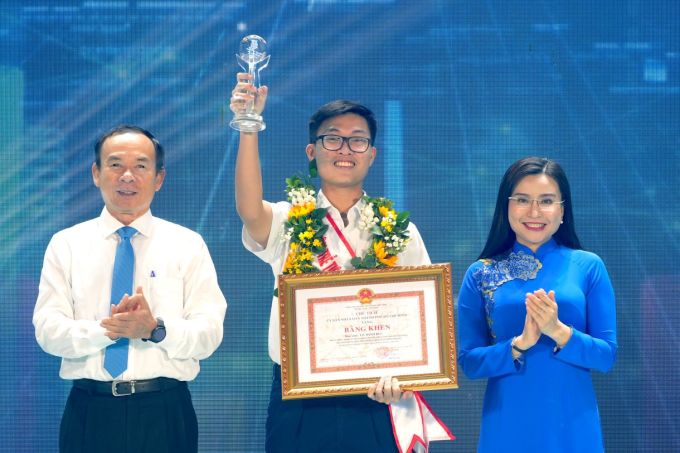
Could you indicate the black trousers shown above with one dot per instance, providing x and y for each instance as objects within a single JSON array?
[
  {"x": 344, "y": 424},
  {"x": 153, "y": 422}
]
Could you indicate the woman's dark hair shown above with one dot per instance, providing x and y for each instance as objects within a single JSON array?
[
  {"x": 501, "y": 237},
  {"x": 125, "y": 128},
  {"x": 337, "y": 108}
]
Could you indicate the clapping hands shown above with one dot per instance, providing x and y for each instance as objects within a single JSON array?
[
  {"x": 130, "y": 318},
  {"x": 542, "y": 318}
]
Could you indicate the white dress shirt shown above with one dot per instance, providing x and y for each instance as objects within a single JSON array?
[
  {"x": 174, "y": 269},
  {"x": 277, "y": 249}
]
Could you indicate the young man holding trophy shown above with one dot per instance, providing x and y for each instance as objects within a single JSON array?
[{"x": 341, "y": 148}]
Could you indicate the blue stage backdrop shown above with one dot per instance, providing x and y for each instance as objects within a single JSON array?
[{"x": 461, "y": 89}]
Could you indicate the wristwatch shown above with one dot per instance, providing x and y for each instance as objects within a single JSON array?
[{"x": 158, "y": 333}]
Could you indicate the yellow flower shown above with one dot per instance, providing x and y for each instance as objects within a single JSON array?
[
  {"x": 316, "y": 243},
  {"x": 290, "y": 263},
  {"x": 388, "y": 218},
  {"x": 381, "y": 254},
  {"x": 299, "y": 211},
  {"x": 386, "y": 225}
]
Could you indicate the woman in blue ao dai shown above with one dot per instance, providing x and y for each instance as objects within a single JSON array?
[{"x": 536, "y": 314}]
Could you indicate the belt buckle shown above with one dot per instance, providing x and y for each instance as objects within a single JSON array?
[{"x": 114, "y": 388}]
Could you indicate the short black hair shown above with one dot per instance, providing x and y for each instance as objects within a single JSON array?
[
  {"x": 501, "y": 237},
  {"x": 337, "y": 108},
  {"x": 125, "y": 128}
]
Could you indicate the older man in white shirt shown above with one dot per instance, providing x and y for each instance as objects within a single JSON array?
[{"x": 131, "y": 303}]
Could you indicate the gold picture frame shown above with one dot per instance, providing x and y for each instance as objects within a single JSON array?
[{"x": 341, "y": 331}]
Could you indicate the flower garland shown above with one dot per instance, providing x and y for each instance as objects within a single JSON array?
[{"x": 305, "y": 229}]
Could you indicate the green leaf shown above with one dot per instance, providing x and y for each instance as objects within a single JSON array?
[
  {"x": 382, "y": 201},
  {"x": 319, "y": 213},
  {"x": 321, "y": 231},
  {"x": 402, "y": 216},
  {"x": 370, "y": 262},
  {"x": 317, "y": 250}
]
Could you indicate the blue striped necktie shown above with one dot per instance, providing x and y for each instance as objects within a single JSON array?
[{"x": 116, "y": 355}]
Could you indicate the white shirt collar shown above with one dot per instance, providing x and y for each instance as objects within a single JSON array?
[
  {"x": 352, "y": 213},
  {"x": 108, "y": 224}
]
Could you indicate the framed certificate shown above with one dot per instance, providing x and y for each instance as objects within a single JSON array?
[{"x": 341, "y": 331}]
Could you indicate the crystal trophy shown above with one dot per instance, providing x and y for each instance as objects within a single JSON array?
[{"x": 253, "y": 58}]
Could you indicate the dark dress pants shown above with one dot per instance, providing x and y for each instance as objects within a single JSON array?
[
  {"x": 344, "y": 424},
  {"x": 153, "y": 422}
]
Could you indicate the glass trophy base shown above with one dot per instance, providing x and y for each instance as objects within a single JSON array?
[{"x": 248, "y": 122}]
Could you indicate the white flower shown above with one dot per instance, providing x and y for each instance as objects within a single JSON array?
[
  {"x": 286, "y": 234},
  {"x": 366, "y": 217},
  {"x": 301, "y": 196}
]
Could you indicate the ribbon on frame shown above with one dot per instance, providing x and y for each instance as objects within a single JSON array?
[{"x": 415, "y": 425}]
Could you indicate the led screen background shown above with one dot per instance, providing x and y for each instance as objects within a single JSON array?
[{"x": 460, "y": 88}]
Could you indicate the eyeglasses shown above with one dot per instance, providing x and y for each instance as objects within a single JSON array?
[
  {"x": 546, "y": 204},
  {"x": 334, "y": 143}
]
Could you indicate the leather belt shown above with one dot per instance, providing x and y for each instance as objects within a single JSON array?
[{"x": 126, "y": 388}]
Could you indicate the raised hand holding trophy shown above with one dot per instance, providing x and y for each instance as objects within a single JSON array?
[{"x": 253, "y": 58}]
